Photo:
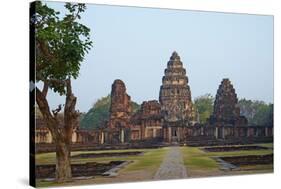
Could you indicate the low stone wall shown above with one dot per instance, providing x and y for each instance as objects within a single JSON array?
[
  {"x": 78, "y": 170},
  {"x": 201, "y": 141},
  {"x": 228, "y": 132},
  {"x": 43, "y": 148},
  {"x": 201, "y": 135}
]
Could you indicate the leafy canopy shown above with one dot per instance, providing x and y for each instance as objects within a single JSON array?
[{"x": 61, "y": 44}]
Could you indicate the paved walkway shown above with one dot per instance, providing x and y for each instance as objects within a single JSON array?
[{"x": 172, "y": 166}]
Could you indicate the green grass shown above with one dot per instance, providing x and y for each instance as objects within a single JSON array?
[
  {"x": 50, "y": 158},
  {"x": 269, "y": 145},
  {"x": 150, "y": 160},
  {"x": 200, "y": 162},
  {"x": 196, "y": 159},
  {"x": 197, "y": 162},
  {"x": 239, "y": 153},
  {"x": 148, "y": 163}
]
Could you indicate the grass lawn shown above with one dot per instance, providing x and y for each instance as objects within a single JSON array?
[
  {"x": 200, "y": 163},
  {"x": 143, "y": 166}
]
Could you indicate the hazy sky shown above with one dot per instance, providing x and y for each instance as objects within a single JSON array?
[{"x": 134, "y": 44}]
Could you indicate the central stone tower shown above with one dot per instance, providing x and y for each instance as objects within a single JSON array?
[
  {"x": 175, "y": 95},
  {"x": 175, "y": 100}
]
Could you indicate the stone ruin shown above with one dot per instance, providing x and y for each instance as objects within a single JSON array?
[
  {"x": 120, "y": 107},
  {"x": 147, "y": 121},
  {"x": 226, "y": 109},
  {"x": 172, "y": 119},
  {"x": 118, "y": 125},
  {"x": 175, "y": 95}
]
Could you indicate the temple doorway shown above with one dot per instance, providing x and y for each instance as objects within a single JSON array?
[{"x": 174, "y": 135}]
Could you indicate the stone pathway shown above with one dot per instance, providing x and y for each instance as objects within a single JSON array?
[{"x": 172, "y": 166}]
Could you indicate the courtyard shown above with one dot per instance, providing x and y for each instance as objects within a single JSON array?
[{"x": 173, "y": 162}]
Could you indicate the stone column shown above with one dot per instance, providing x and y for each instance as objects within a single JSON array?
[
  {"x": 178, "y": 134},
  {"x": 102, "y": 138},
  {"x": 266, "y": 131},
  {"x": 154, "y": 133},
  {"x": 202, "y": 131},
  {"x": 169, "y": 134},
  {"x": 122, "y": 135},
  {"x": 222, "y": 131},
  {"x": 142, "y": 131},
  {"x": 216, "y": 132}
]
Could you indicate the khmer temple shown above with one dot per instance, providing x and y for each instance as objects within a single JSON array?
[
  {"x": 175, "y": 100},
  {"x": 172, "y": 119},
  {"x": 147, "y": 122},
  {"x": 120, "y": 114},
  {"x": 175, "y": 95},
  {"x": 226, "y": 109}
]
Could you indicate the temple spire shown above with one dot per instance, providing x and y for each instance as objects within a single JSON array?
[
  {"x": 175, "y": 95},
  {"x": 226, "y": 109}
]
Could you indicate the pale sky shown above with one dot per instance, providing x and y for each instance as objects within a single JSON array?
[{"x": 135, "y": 44}]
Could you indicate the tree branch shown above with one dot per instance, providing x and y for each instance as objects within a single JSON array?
[
  {"x": 68, "y": 87},
  {"x": 51, "y": 122},
  {"x": 56, "y": 111},
  {"x": 43, "y": 48},
  {"x": 45, "y": 89}
]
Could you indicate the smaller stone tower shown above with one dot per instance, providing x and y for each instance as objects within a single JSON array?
[
  {"x": 226, "y": 109},
  {"x": 120, "y": 107}
]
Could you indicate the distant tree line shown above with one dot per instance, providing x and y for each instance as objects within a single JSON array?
[{"x": 257, "y": 112}]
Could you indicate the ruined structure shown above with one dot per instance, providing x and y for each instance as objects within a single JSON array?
[
  {"x": 147, "y": 122},
  {"x": 43, "y": 134},
  {"x": 120, "y": 107},
  {"x": 171, "y": 120},
  {"x": 175, "y": 95},
  {"x": 175, "y": 100},
  {"x": 226, "y": 109},
  {"x": 117, "y": 129}
]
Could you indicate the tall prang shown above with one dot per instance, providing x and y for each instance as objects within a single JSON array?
[
  {"x": 175, "y": 95},
  {"x": 120, "y": 107},
  {"x": 226, "y": 109}
]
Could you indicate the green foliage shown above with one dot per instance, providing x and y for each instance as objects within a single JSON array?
[
  {"x": 99, "y": 113},
  {"x": 61, "y": 44},
  {"x": 135, "y": 106},
  {"x": 204, "y": 105},
  {"x": 257, "y": 112}
]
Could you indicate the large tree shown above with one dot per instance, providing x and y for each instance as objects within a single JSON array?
[{"x": 61, "y": 43}]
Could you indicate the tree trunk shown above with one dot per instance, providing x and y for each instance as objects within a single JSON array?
[
  {"x": 61, "y": 135},
  {"x": 63, "y": 162}
]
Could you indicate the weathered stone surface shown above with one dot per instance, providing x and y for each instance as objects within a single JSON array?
[
  {"x": 175, "y": 95},
  {"x": 226, "y": 110},
  {"x": 149, "y": 110},
  {"x": 149, "y": 120},
  {"x": 120, "y": 108}
]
